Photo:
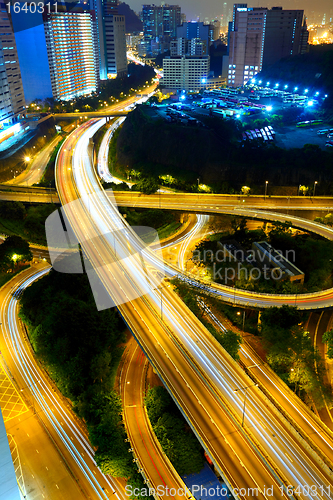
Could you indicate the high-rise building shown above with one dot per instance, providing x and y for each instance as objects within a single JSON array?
[
  {"x": 184, "y": 47},
  {"x": 70, "y": 49},
  {"x": 12, "y": 100},
  {"x": 214, "y": 30},
  {"x": 71, "y": 41},
  {"x": 185, "y": 72},
  {"x": 226, "y": 16},
  {"x": 34, "y": 63},
  {"x": 160, "y": 21},
  {"x": 259, "y": 37},
  {"x": 194, "y": 30},
  {"x": 178, "y": 47},
  {"x": 304, "y": 41},
  {"x": 111, "y": 39}
]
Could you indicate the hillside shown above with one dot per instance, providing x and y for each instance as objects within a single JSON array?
[
  {"x": 132, "y": 22},
  {"x": 313, "y": 70},
  {"x": 215, "y": 155},
  {"x": 163, "y": 148}
]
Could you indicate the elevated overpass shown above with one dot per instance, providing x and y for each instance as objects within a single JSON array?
[
  {"x": 184, "y": 202},
  {"x": 90, "y": 114},
  {"x": 196, "y": 370}
]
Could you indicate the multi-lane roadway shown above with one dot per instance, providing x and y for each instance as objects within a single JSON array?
[
  {"x": 197, "y": 372},
  {"x": 56, "y": 456}
]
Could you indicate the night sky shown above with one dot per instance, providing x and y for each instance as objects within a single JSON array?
[{"x": 213, "y": 8}]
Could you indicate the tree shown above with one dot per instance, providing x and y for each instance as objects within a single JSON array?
[
  {"x": 327, "y": 220},
  {"x": 303, "y": 190},
  {"x": 157, "y": 402},
  {"x": 13, "y": 250},
  {"x": 282, "y": 317},
  {"x": 147, "y": 185},
  {"x": 328, "y": 339},
  {"x": 175, "y": 437},
  {"x": 245, "y": 190},
  {"x": 231, "y": 342},
  {"x": 12, "y": 210}
]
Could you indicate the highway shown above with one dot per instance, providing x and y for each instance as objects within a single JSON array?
[
  {"x": 143, "y": 440},
  {"x": 311, "y": 428},
  {"x": 35, "y": 169},
  {"x": 318, "y": 324},
  {"x": 103, "y": 153},
  {"x": 57, "y": 458},
  {"x": 215, "y": 203},
  {"x": 193, "y": 367},
  {"x": 87, "y": 115},
  {"x": 308, "y": 301}
]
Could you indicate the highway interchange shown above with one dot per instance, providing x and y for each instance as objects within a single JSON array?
[
  {"x": 196, "y": 360},
  {"x": 268, "y": 453}
]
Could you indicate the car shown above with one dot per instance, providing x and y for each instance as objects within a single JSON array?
[
  {"x": 323, "y": 131},
  {"x": 329, "y": 136},
  {"x": 329, "y": 145}
]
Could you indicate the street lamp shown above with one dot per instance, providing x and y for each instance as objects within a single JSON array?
[
  {"x": 266, "y": 183},
  {"x": 238, "y": 314},
  {"x": 160, "y": 288},
  {"x": 245, "y": 396},
  {"x": 14, "y": 258},
  {"x": 314, "y": 187}
]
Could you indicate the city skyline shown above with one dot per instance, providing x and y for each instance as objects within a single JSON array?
[{"x": 213, "y": 8}]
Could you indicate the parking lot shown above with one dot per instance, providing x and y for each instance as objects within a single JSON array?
[
  {"x": 293, "y": 137},
  {"x": 248, "y": 105}
]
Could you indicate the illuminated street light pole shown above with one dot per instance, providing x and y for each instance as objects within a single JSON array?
[
  {"x": 266, "y": 189},
  {"x": 245, "y": 396},
  {"x": 160, "y": 288},
  {"x": 238, "y": 314},
  {"x": 314, "y": 187}
]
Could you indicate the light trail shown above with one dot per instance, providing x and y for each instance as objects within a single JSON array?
[
  {"x": 102, "y": 164},
  {"x": 48, "y": 404},
  {"x": 219, "y": 375}
]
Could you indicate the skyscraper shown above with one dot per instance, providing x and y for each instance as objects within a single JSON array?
[
  {"x": 194, "y": 30},
  {"x": 71, "y": 41},
  {"x": 111, "y": 39},
  {"x": 259, "y": 37},
  {"x": 12, "y": 100},
  {"x": 226, "y": 15},
  {"x": 160, "y": 21}
]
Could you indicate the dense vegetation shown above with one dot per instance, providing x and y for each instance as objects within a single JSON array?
[
  {"x": 291, "y": 354},
  {"x": 29, "y": 223},
  {"x": 328, "y": 339},
  {"x": 14, "y": 251},
  {"x": 175, "y": 436},
  {"x": 80, "y": 348},
  {"x": 155, "y": 148},
  {"x": 229, "y": 340},
  {"x": 310, "y": 253}
]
